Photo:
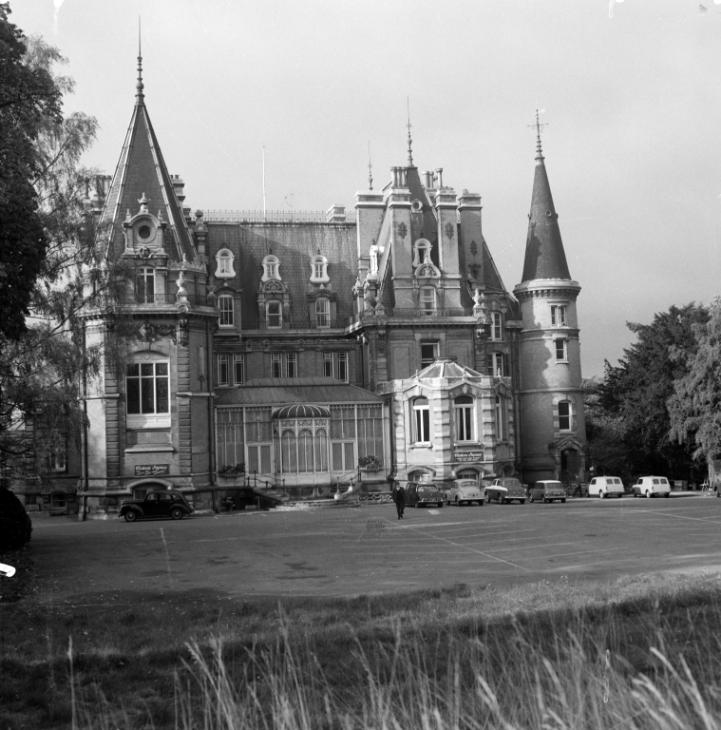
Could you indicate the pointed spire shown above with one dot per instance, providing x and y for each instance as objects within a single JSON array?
[
  {"x": 410, "y": 139},
  {"x": 370, "y": 168},
  {"x": 545, "y": 257},
  {"x": 139, "y": 95}
]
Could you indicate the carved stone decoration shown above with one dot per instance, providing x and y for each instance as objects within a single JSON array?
[
  {"x": 450, "y": 230},
  {"x": 402, "y": 230},
  {"x": 150, "y": 332},
  {"x": 474, "y": 248},
  {"x": 183, "y": 331}
]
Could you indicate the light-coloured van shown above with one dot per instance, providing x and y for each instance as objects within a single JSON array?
[
  {"x": 605, "y": 487},
  {"x": 548, "y": 490},
  {"x": 651, "y": 487}
]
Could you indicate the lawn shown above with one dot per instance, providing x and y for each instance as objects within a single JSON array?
[{"x": 637, "y": 653}]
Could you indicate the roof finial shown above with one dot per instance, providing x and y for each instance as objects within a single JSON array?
[
  {"x": 370, "y": 168},
  {"x": 410, "y": 139},
  {"x": 539, "y": 126},
  {"x": 139, "y": 93}
]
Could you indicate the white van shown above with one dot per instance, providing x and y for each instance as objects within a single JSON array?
[
  {"x": 605, "y": 487},
  {"x": 651, "y": 487}
]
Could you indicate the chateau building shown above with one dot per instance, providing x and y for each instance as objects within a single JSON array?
[{"x": 310, "y": 354}]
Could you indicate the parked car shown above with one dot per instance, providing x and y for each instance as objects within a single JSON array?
[
  {"x": 241, "y": 497},
  {"x": 603, "y": 487},
  {"x": 465, "y": 491},
  {"x": 419, "y": 494},
  {"x": 651, "y": 487},
  {"x": 506, "y": 490},
  {"x": 158, "y": 503},
  {"x": 548, "y": 490},
  {"x": 16, "y": 526}
]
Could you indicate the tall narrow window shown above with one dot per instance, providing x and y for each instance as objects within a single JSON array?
[
  {"x": 322, "y": 312},
  {"x": 145, "y": 285},
  {"x": 499, "y": 364},
  {"x": 276, "y": 365},
  {"x": 463, "y": 408},
  {"x": 500, "y": 414},
  {"x": 342, "y": 372},
  {"x": 496, "y": 326},
  {"x": 565, "y": 413},
  {"x": 291, "y": 367},
  {"x": 428, "y": 299},
  {"x": 226, "y": 316},
  {"x": 223, "y": 368},
  {"x": 274, "y": 314},
  {"x": 558, "y": 315},
  {"x": 239, "y": 369},
  {"x": 421, "y": 420},
  {"x": 561, "y": 346},
  {"x": 429, "y": 353}
]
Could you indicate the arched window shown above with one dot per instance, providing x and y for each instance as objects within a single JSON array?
[
  {"x": 224, "y": 264},
  {"x": 226, "y": 316},
  {"x": 463, "y": 409},
  {"x": 321, "y": 450},
  {"x": 288, "y": 451},
  {"x": 421, "y": 421},
  {"x": 271, "y": 268},
  {"x": 565, "y": 415},
  {"x": 274, "y": 314},
  {"x": 322, "y": 312},
  {"x": 422, "y": 252},
  {"x": 305, "y": 451},
  {"x": 319, "y": 270}
]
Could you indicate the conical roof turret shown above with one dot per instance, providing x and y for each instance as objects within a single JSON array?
[
  {"x": 545, "y": 257},
  {"x": 141, "y": 173}
]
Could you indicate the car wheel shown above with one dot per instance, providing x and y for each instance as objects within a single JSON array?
[
  {"x": 130, "y": 516},
  {"x": 563, "y": 500},
  {"x": 668, "y": 494},
  {"x": 440, "y": 504},
  {"x": 522, "y": 501},
  {"x": 176, "y": 513}
]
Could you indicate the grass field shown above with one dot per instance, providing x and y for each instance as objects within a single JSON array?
[{"x": 638, "y": 653}]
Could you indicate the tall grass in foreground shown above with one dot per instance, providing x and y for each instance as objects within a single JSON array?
[{"x": 565, "y": 671}]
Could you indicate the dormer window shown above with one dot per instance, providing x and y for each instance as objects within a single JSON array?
[
  {"x": 271, "y": 268},
  {"x": 322, "y": 312},
  {"x": 274, "y": 314},
  {"x": 224, "y": 264},
  {"x": 226, "y": 311},
  {"x": 144, "y": 232},
  {"x": 319, "y": 270},
  {"x": 422, "y": 252}
]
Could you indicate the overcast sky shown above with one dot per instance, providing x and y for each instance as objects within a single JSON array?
[{"x": 631, "y": 92}]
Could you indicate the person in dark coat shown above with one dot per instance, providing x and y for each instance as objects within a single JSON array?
[{"x": 399, "y": 497}]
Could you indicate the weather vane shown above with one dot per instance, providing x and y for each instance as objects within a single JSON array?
[{"x": 539, "y": 125}]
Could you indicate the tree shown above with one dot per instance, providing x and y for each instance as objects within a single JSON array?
[
  {"x": 695, "y": 404},
  {"x": 635, "y": 392},
  {"x": 30, "y": 101},
  {"x": 46, "y": 250}
]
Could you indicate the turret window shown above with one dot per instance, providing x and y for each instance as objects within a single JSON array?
[
  {"x": 561, "y": 347},
  {"x": 558, "y": 315},
  {"x": 565, "y": 415},
  {"x": 496, "y": 326},
  {"x": 147, "y": 392},
  {"x": 427, "y": 299},
  {"x": 145, "y": 285}
]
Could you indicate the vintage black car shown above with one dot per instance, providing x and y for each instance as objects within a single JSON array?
[{"x": 160, "y": 503}]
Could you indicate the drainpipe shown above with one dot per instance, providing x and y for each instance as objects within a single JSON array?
[{"x": 85, "y": 460}]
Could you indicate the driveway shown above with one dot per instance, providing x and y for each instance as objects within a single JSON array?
[{"x": 365, "y": 550}]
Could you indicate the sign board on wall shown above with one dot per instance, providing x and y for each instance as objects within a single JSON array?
[{"x": 151, "y": 470}]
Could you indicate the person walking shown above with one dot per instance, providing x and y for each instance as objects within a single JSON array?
[{"x": 399, "y": 497}]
